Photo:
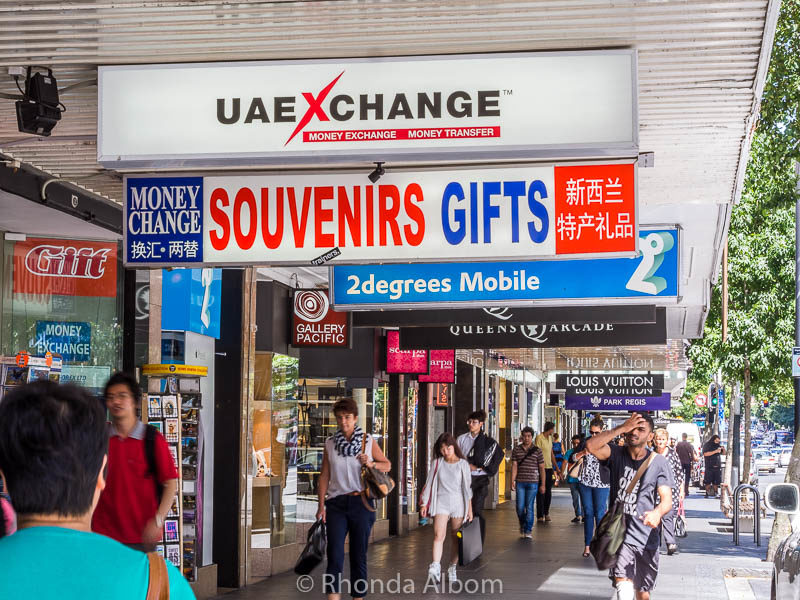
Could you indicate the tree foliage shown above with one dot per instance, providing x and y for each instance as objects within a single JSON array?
[{"x": 761, "y": 244}]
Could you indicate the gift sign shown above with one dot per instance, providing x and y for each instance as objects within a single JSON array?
[
  {"x": 63, "y": 267},
  {"x": 442, "y": 367},
  {"x": 404, "y": 361}
]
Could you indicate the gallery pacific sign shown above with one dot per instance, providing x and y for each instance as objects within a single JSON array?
[
  {"x": 610, "y": 384},
  {"x": 652, "y": 275},
  {"x": 544, "y": 211},
  {"x": 520, "y": 105},
  {"x": 599, "y": 403},
  {"x": 49, "y": 266},
  {"x": 535, "y": 335},
  {"x": 315, "y": 324}
]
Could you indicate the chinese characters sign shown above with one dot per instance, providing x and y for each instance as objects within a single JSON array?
[
  {"x": 62, "y": 267},
  {"x": 404, "y": 361},
  {"x": 164, "y": 220},
  {"x": 596, "y": 205},
  {"x": 521, "y": 212}
]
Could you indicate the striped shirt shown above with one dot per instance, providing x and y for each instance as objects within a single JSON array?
[{"x": 527, "y": 468}]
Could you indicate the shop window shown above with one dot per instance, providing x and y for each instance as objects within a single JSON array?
[
  {"x": 51, "y": 302},
  {"x": 274, "y": 437}
]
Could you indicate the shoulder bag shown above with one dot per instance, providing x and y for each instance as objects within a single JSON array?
[
  {"x": 314, "y": 552},
  {"x": 158, "y": 584},
  {"x": 377, "y": 484},
  {"x": 610, "y": 531},
  {"x": 575, "y": 470}
]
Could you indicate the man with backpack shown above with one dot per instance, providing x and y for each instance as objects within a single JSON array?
[
  {"x": 142, "y": 476},
  {"x": 484, "y": 456},
  {"x": 641, "y": 480}
]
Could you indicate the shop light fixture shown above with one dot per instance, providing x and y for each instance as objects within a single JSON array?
[
  {"x": 40, "y": 109},
  {"x": 377, "y": 173}
]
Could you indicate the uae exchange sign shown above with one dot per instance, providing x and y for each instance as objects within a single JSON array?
[{"x": 515, "y": 105}]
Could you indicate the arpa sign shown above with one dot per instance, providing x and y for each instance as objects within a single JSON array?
[
  {"x": 65, "y": 267},
  {"x": 515, "y": 105},
  {"x": 539, "y": 211}
]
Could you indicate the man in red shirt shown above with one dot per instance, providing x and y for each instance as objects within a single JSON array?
[{"x": 130, "y": 509}]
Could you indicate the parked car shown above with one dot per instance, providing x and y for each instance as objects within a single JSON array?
[
  {"x": 785, "y": 498},
  {"x": 765, "y": 461}
]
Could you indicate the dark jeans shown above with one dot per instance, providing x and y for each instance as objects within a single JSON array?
[
  {"x": 595, "y": 505},
  {"x": 526, "y": 494},
  {"x": 543, "y": 500},
  {"x": 343, "y": 515},
  {"x": 480, "y": 489},
  {"x": 687, "y": 477},
  {"x": 668, "y": 527}
]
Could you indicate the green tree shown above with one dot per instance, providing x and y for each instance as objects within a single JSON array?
[{"x": 761, "y": 250}]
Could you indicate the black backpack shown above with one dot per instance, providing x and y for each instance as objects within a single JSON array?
[
  {"x": 150, "y": 455},
  {"x": 486, "y": 454}
]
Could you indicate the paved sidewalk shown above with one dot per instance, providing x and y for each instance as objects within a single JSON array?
[{"x": 551, "y": 566}]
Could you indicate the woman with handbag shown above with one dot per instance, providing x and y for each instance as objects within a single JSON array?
[
  {"x": 572, "y": 481},
  {"x": 342, "y": 506},
  {"x": 447, "y": 497},
  {"x": 662, "y": 447},
  {"x": 594, "y": 486}
]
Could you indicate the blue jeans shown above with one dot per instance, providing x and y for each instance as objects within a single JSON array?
[
  {"x": 526, "y": 494},
  {"x": 347, "y": 514},
  {"x": 595, "y": 505},
  {"x": 576, "y": 498}
]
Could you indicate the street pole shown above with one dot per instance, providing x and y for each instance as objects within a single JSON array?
[{"x": 797, "y": 293}]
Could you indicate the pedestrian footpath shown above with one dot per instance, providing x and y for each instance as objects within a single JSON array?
[{"x": 551, "y": 566}]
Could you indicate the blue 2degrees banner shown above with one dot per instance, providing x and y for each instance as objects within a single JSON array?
[{"x": 653, "y": 274}]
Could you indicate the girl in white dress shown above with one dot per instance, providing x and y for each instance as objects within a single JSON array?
[{"x": 446, "y": 497}]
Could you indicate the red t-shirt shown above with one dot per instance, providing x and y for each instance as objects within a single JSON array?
[{"x": 130, "y": 498}]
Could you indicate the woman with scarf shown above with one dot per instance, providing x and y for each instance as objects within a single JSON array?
[
  {"x": 661, "y": 440},
  {"x": 341, "y": 505}
]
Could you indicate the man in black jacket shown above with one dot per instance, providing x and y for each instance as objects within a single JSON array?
[{"x": 481, "y": 452}]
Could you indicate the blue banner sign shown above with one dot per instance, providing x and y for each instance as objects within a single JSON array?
[
  {"x": 654, "y": 274},
  {"x": 191, "y": 300},
  {"x": 164, "y": 220},
  {"x": 630, "y": 403},
  {"x": 72, "y": 340}
]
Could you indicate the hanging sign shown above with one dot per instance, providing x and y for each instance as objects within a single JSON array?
[
  {"x": 551, "y": 335},
  {"x": 796, "y": 361},
  {"x": 587, "y": 210},
  {"x": 404, "y": 361},
  {"x": 315, "y": 324},
  {"x": 48, "y": 267},
  {"x": 442, "y": 367},
  {"x": 650, "y": 276},
  {"x": 630, "y": 403},
  {"x": 479, "y": 106},
  {"x": 610, "y": 384}
]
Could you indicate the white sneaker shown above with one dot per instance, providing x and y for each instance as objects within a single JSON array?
[
  {"x": 451, "y": 574},
  {"x": 435, "y": 572},
  {"x": 528, "y": 535}
]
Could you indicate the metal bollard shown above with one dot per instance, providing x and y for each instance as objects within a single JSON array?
[{"x": 756, "y": 512}]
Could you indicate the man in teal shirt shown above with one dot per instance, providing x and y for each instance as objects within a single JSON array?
[{"x": 53, "y": 444}]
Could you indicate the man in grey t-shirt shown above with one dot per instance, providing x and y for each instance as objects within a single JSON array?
[{"x": 650, "y": 500}]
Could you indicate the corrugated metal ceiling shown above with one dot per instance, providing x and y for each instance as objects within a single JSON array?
[{"x": 698, "y": 63}]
